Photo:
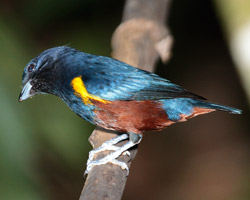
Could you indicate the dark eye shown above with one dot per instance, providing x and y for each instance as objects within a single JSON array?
[{"x": 31, "y": 68}]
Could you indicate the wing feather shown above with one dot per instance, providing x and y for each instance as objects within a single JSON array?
[{"x": 113, "y": 80}]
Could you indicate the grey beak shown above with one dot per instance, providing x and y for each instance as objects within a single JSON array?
[{"x": 26, "y": 92}]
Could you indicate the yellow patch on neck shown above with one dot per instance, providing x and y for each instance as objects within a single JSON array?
[{"x": 81, "y": 91}]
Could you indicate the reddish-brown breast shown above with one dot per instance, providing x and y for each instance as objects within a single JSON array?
[
  {"x": 131, "y": 116},
  {"x": 136, "y": 116}
]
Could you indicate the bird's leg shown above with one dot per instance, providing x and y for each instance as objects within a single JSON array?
[
  {"x": 108, "y": 146},
  {"x": 111, "y": 158}
]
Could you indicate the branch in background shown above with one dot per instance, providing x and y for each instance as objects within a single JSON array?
[{"x": 139, "y": 41}]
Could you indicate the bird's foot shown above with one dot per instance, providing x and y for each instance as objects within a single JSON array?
[
  {"x": 112, "y": 157},
  {"x": 93, "y": 153},
  {"x": 106, "y": 160},
  {"x": 108, "y": 146}
]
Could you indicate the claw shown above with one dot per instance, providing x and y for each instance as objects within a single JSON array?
[{"x": 127, "y": 153}]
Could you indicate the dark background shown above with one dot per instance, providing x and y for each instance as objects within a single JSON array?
[{"x": 44, "y": 146}]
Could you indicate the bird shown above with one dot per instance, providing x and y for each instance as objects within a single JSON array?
[{"x": 113, "y": 95}]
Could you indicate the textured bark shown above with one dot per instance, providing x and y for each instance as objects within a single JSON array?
[{"x": 139, "y": 41}]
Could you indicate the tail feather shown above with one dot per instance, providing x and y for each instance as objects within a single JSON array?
[{"x": 208, "y": 105}]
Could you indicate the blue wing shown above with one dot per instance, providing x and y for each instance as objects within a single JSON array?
[{"x": 113, "y": 80}]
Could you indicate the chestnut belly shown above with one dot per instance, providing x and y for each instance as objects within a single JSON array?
[
  {"x": 131, "y": 116},
  {"x": 139, "y": 116}
]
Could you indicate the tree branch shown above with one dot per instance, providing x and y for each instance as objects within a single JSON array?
[{"x": 139, "y": 41}]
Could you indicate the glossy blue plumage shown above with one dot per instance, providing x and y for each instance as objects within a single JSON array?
[
  {"x": 114, "y": 80},
  {"x": 178, "y": 106}
]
